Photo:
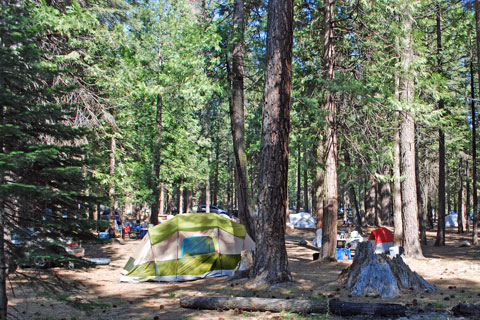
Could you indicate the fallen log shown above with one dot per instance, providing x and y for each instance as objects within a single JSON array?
[
  {"x": 467, "y": 310},
  {"x": 294, "y": 305}
]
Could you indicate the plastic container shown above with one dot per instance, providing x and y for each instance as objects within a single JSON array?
[
  {"x": 395, "y": 251},
  {"x": 104, "y": 236}
]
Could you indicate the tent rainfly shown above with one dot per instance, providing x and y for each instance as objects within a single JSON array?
[
  {"x": 383, "y": 239},
  {"x": 188, "y": 247}
]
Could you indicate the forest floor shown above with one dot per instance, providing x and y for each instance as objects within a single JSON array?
[{"x": 97, "y": 293}]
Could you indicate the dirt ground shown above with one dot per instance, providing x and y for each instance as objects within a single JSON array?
[{"x": 97, "y": 293}]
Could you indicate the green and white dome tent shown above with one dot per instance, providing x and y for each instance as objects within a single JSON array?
[{"x": 188, "y": 247}]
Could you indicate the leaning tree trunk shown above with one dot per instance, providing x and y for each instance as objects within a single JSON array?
[
  {"x": 237, "y": 117},
  {"x": 271, "y": 261},
  {"x": 329, "y": 235},
  {"x": 379, "y": 275}
]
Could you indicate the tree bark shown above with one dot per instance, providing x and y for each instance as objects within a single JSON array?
[
  {"x": 407, "y": 136},
  {"x": 271, "y": 261},
  {"x": 329, "y": 235}
]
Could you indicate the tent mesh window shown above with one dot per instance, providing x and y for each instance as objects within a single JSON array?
[{"x": 195, "y": 246}]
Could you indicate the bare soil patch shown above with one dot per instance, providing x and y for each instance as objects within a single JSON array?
[{"x": 97, "y": 293}]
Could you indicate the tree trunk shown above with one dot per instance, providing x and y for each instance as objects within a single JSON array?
[
  {"x": 319, "y": 183},
  {"x": 440, "y": 239},
  {"x": 3, "y": 258},
  {"x": 111, "y": 185},
  {"x": 385, "y": 195},
  {"x": 237, "y": 116},
  {"x": 3, "y": 264},
  {"x": 271, "y": 261},
  {"x": 468, "y": 202},
  {"x": 161, "y": 201},
  {"x": 155, "y": 208},
  {"x": 461, "y": 199},
  {"x": 305, "y": 182},
  {"x": 180, "y": 200},
  {"x": 370, "y": 201},
  {"x": 397, "y": 189},
  {"x": 407, "y": 136},
  {"x": 299, "y": 180},
  {"x": 353, "y": 197},
  {"x": 329, "y": 235},
  {"x": 187, "y": 203},
  {"x": 216, "y": 171},
  {"x": 207, "y": 187},
  {"x": 474, "y": 132}
]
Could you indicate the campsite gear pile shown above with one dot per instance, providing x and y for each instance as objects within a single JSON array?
[{"x": 188, "y": 247}]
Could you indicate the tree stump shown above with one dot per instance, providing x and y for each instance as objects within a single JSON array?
[{"x": 379, "y": 275}]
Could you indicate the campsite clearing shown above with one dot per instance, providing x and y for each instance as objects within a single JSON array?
[{"x": 98, "y": 293}]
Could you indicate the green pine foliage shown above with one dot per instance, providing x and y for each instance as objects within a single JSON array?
[{"x": 42, "y": 155}]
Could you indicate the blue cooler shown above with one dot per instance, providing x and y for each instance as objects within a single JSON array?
[{"x": 343, "y": 253}]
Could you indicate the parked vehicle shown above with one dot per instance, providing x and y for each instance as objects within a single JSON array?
[
  {"x": 32, "y": 250},
  {"x": 213, "y": 208}
]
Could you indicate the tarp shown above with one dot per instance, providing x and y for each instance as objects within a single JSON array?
[
  {"x": 451, "y": 220},
  {"x": 302, "y": 220},
  {"x": 188, "y": 247}
]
